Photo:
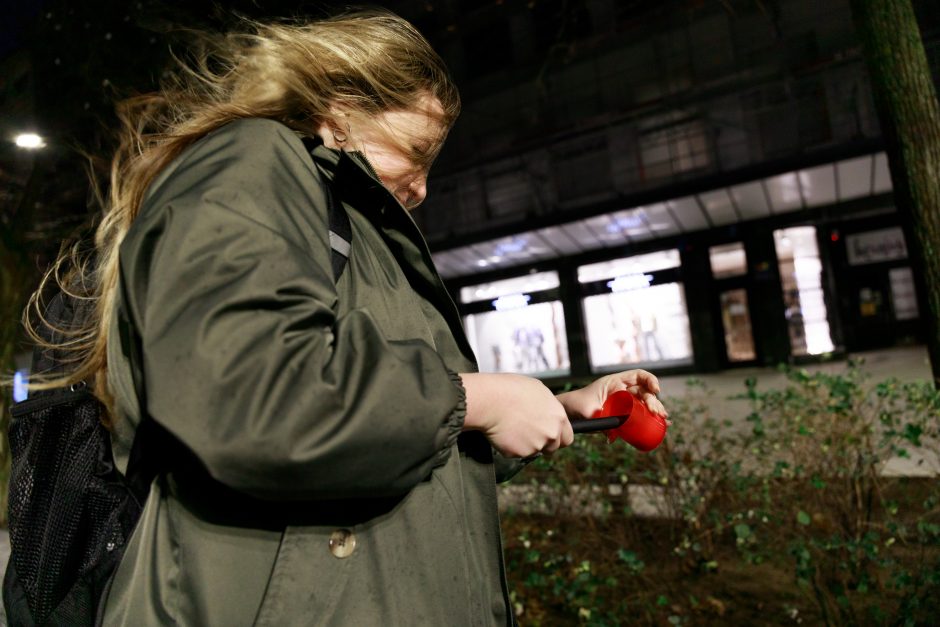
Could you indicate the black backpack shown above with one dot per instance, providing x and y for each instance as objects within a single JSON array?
[{"x": 71, "y": 511}]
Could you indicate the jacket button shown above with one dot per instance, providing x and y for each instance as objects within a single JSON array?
[{"x": 342, "y": 543}]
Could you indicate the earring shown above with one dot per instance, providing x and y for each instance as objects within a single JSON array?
[{"x": 339, "y": 136}]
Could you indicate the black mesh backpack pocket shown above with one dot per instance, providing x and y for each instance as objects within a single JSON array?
[{"x": 70, "y": 510}]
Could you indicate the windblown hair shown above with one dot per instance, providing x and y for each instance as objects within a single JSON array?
[{"x": 363, "y": 63}]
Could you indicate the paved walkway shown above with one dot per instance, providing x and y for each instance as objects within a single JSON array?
[{"x": 909, "y": 363}]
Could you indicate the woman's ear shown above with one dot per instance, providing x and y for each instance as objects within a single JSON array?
[
  {"x": 334, "y": 129},
  {"x": 339, "y": 136},
  {"x": 339, "y": 125}
]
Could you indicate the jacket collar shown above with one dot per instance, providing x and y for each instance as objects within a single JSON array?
[
  {"x": 352, "y": 171},
  {"x": 355, "y": 179}
]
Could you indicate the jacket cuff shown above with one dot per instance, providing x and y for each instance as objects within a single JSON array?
[{"x": 455, "y": 420}]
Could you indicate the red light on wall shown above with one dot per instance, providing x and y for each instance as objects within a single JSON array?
[{"x": 834, "y": 236}]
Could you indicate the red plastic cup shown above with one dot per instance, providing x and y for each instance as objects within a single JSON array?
[{"x": 643, "y": 429}]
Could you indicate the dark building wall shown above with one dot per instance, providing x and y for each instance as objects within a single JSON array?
[{"x": 577, "y": 110}]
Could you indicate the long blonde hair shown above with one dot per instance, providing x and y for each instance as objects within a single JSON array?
[{"x": 365, "y": 62}]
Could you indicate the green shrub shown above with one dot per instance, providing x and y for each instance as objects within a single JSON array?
[{"x": 785, "y": 516}]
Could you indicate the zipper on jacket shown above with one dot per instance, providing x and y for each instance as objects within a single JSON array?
[{"x": 370, "y": 169}]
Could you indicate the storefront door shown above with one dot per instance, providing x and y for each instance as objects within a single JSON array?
[
  {"x": 733, "y": 306},
  {"x": 877, "y": 298},
  {"x": 736, "y": 324},
  {"x": 882, "y": 306}
]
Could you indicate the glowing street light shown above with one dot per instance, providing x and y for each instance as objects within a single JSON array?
[{"x": 29, "y": 141}]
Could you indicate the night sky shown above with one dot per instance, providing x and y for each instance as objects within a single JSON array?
[{"x": 64, "y": 64}]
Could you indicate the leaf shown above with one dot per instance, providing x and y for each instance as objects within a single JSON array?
[
  {"x": 742, "y": 531},
  {"x": 912, "y": 433},
  {"x": 630, "y": 558},
  {"x": 802, "y": 517}
]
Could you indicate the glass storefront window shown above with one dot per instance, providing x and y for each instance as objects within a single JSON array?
[
  {"x": 516, "y": 335},
  {"x": 529, "y": 339},
  {"x": 728, "y": 260},
  {"x": 801, "y": 279},
  {"x": 736, "y": 320},
  {"x": 903, "y": 296},
  {"x": 638, "y": 326},
  {"x": 627, "y": 266},
  {"x": 525, "y": 284}
]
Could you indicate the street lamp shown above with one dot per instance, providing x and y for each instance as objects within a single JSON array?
[{"x": 29, "y": 141}]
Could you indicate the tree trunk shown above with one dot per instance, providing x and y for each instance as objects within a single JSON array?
[{"x": 910, "y": 120}]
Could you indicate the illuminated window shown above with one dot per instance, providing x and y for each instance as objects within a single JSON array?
[
  {"x": 903, "y": 295},
  {"x": 525, "y": 284},
  {"x": 518, "y": 325},
  {"x": 801, "y": 279},
  {"x": 736, "y": 320},
  {"x": 626, "y": 266},
  {"x": 635, "y": 319},
  {"x": 528, "y": 340},
  {"x": 728, "y": 260}
]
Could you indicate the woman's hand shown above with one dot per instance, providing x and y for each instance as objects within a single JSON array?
[
  {"x": 586, "y": 401},
  {"x": 517, "y": 414}
]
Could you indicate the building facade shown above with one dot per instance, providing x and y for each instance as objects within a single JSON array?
[{"x": 684, "y": 185}]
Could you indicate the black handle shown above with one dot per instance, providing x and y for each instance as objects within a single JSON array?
[{"x": 593, "y": 425}]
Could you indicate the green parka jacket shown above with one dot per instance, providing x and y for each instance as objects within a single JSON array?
[{"x": 313, "y": 466}]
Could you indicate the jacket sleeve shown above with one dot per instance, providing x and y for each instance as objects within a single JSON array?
[{"x": 245, "y": 361}]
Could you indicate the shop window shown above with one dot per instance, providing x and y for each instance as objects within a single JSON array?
[
  {"x": 903, "y": 296},
  {"x": 628, "y": 266},
  {"x": 518, "y": 325},
  {"x": 536, "y": 282},
  {"x": 801, "y": 280},
  {"x": 636, "y": 319},
  {"x": 638, "y": 326},
  {"x": 736, "y": 320},
  {"x": 728, "y": 260}
]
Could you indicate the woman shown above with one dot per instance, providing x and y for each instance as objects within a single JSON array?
[{"x": 325, "y": 447}]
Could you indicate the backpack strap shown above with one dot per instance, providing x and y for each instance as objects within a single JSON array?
[
  {"x": 340, "y": 229},
  {"x": 141, "y": 469},
  {"x": 340, "y": 235}
]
